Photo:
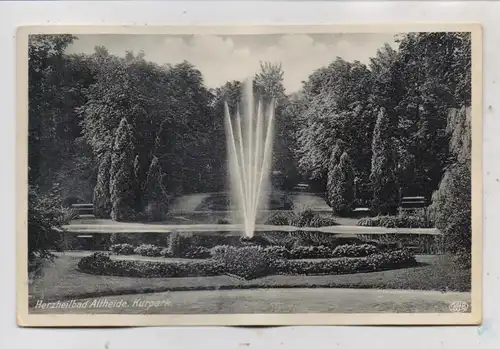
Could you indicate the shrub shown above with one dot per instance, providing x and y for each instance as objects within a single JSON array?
[
  {"x": 123, "y": 249},
  {"x": 148, "y": 250},
  {"x": 280, "y": 218},
  {"x": 303, "y": 217},
  {"x": 391, "y": 259},
  {"x": 96, "y": 261},
  {"x": 322, "y": 221},
  {"x": 399, "y": 221},
  {"x": 103, "y": 265},
  {"x": 198, "y": 252},
  {"x": 308, "y": 218},
  {"x": 247, "y": 262},
  {"x": 45, "y": 220},
  {"x": 451, "y": 209},
  {"x": 223, "y": 221}
]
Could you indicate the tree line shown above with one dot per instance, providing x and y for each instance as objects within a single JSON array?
[{"x": 129, "y": 134}]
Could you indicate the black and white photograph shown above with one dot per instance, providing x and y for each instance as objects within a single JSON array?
[{"x": 249, "y": 175}]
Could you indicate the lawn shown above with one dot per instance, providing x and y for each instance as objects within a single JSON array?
[{"x": 62, "y": 280}]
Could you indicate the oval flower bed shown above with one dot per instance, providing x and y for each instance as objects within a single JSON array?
[{"x": 246, "y": 262}]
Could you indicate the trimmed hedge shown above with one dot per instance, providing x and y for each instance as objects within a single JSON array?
[
  {"x": 102, "y": 264},
  {"x": 401, "y": 221}
]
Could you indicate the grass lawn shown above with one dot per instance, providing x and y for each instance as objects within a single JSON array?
[{"x": 61, "y": 279}]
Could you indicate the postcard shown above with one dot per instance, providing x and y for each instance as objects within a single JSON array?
[{"x": 249, "y": 175}]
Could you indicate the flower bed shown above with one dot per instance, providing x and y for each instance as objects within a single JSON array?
[
  {"x": 247, "y": 262},
  {"x": 346, "y": 265},
  {"x": 102, "y": 264}
]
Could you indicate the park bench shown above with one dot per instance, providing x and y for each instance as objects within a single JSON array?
[
  {"x": 302, "y": 187},
  {"x": 83, "y": 210},
  {"x": 413, "y": 203}
]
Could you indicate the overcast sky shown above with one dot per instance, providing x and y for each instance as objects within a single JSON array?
[{"x": 224, "y": 58}]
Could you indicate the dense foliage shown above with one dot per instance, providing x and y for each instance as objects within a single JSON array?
[
  {"x": 129, "y": 135},
  {"x": 451, "y": 206},
  {"x": 45, "y": 219},
  {"x": 336, "y": 111}
]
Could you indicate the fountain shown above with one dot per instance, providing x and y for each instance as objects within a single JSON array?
[{"x": 249, "y": 140}]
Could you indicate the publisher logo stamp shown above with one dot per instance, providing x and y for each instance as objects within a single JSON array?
[{"x": 459, "y": 307}]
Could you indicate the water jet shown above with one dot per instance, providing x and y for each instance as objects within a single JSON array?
[{"x": 249, "y": 141}]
